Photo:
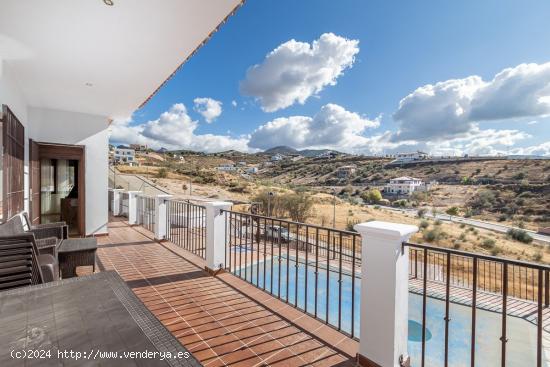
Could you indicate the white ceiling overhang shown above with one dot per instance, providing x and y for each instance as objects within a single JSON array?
[{"x": 86, "y": 56}]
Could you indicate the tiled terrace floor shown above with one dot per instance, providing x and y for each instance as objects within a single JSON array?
[{"x": 221, "y": 320}]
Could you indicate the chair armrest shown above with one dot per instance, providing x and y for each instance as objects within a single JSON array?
[
  {"x": 48, "y": 230},
  {"x": 49, "y": 267},
  {"x": 52, "y": 224},
  {"x": 48, "y": 245}
]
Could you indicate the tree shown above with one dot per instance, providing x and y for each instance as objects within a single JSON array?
[
  {"x": 453, "y": 210},
  {"x": 372, "y": 196},
  {"x": 298, "y": 205},
  {"x": 483, "y": 199},
  {"x": 162, "y": 173}
]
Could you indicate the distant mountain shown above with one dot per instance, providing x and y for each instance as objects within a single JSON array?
[
  {"x": 282, "y": 149},
  {"x": 315, "y": 152},
  {"x": 309, "y": 153}
]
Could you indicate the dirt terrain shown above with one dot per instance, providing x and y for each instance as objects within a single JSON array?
[{"x": 513, "y": 192}]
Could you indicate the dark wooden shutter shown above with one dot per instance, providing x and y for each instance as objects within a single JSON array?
[
  {"x": 34, "y": 169},
  {"x": 13, "y": 139}
]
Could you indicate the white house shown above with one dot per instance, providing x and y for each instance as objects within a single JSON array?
[
  {"x": 252, "y": 170},
  {"x": 276, "y": 157},
  {"x": 327, "y": 155},
  {"x": 227, "y": 167},
  {"x": 404, "y": 186},
  {"x": 346, "y": 171},
  {"x": 410, "y": 157},
  {"x": 125, "y": 155}
]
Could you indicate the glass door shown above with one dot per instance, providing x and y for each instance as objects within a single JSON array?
[{"x": 59, "y": 192}]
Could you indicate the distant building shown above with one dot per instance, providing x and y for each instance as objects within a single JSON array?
[
  {"x": 227, "y": 167},
  {"x": 125, "y": 155},
  {"x": 327, "y": 155},
  {"x": 410, "y": 157},
  {"x": 242, "y": 163},
  {"x": 252, "y": 170},
  {"x": 404, "y": 186},
  {"x": 276, "y": 157},
  {"x": 138, "y": 147},
  {"x": 346, "y": 171}
]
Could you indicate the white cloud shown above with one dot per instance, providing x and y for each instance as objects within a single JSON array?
[
  {"x": 478, "y": 142},
  {"x": 332, "y": 127},
  {"x": 295, "y": 71},
  {"x": 521, "y": 91},
  {"x": 541, "y": 149},
  {"x": 209, "y": 108},
  {"x": 450, "y": 109},
  {"x": 174, "y": 129},
  {"x": 234, "y": 103}
]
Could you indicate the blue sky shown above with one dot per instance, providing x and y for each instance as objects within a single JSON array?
[{"x": 400, "y": 47}]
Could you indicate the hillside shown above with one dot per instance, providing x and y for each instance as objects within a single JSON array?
[{"x": 376, "y": 171}]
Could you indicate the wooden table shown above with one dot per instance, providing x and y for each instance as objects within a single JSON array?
[{"x": 89, "y": 315}]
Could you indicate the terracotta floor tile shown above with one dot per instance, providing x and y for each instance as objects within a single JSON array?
[{"x": 222, "y": 320}]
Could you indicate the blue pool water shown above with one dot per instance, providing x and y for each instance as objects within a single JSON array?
[{"x": 521, "y": 347}]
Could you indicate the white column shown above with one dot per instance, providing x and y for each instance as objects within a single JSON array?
[
  {"x": 132, "y": 207},
  {"x": 215, "y": 234},
  {"x": 117, "y": 197},
  {"x": 161, "y": 216},
  {"x": 384, "y": 293}
]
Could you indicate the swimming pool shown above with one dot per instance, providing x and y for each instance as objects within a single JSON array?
[{"x": 521, "y": 346}]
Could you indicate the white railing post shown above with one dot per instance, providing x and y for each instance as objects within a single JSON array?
[
  {"x": 384, "y": 293},
  {"x": 215, "y": 234},
  {"x": 132, "y": 207},
  {"x": 161, "y": 216},
  {"x": 115, "y": 205}
]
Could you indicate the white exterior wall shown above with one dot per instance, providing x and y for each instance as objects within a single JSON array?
[
  {"x": 63, "y": 127},
  {"x": 11, "y": 96},
  {"x": 54, "y": 126}
]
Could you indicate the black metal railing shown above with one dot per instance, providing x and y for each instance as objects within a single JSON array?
[
  {"x": 110, "y": 197},
  {"x": 186, "y": 226},
  {"x": 315, "y": 269},
  {"x": 479, "y": 282},
  {"x": 146, "y": 212}
]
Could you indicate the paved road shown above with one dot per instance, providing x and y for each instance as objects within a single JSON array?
[
  {"x": 132, "y": 182},
  {"x": 472, "y": 222}
]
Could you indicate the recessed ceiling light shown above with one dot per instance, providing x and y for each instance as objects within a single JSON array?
[
  {"x": 109, "y": 2},
  {"x": 89, "y": 84}
]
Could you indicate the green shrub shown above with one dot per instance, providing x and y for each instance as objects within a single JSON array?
[
  {"x": 424, "y": 224},
  {"x": 421, "y": 212},
  {"x": 433, "y": 235},
  {"x": 350, "y": 224},
  {"x": 496, "y": 250},
  {"x": 438, "y": 222},
  {"x": 372, "y": 196},
  {"x": 488, "y": 243},
  {"x": 452, "y": 210},
  {"x": 162, "y": 173},
  {"x": 519, "y": 235},
  {"x": 537, "y": 256}
]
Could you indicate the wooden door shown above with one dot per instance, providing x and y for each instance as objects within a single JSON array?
[{"x": 34, "y": 169}]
